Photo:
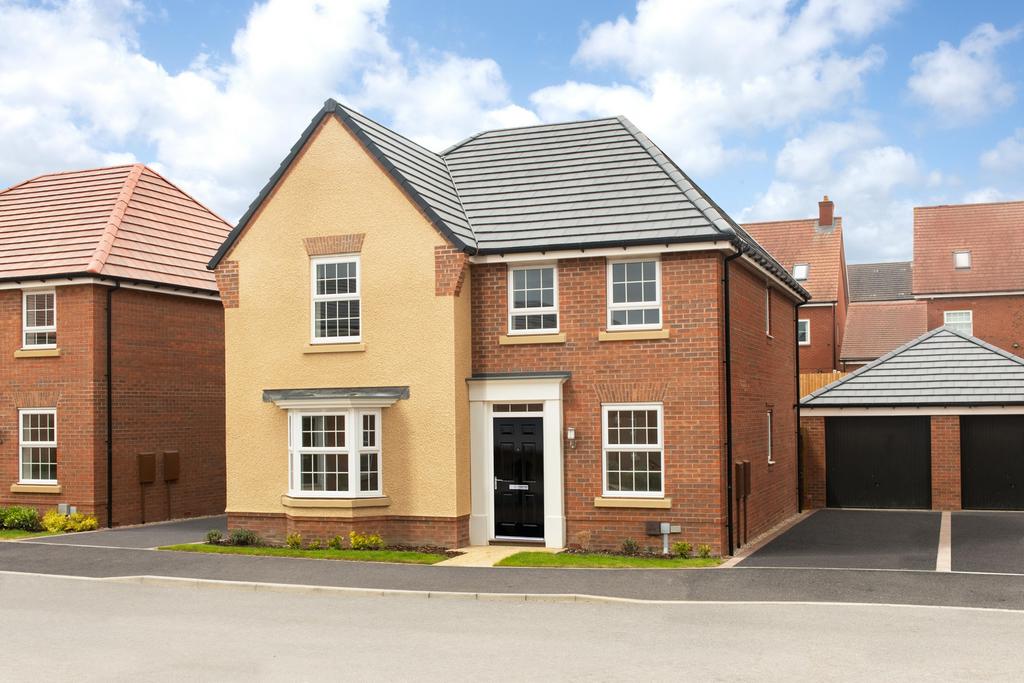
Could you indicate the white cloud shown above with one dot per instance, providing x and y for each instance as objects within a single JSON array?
[
  {"x": 985, "y": 195},
  {"x": 76, "y": 90},
  {"x": 872, "y": 185},
  {"x": 700, "y": 70},
  {"x": 965, "y": 82},
  {"x": 1007, "y": 155}
]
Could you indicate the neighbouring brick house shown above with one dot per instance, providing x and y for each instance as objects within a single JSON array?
[
  {"x": 883, "y": 313},
  {"x": 545, "y": 334},
  {"x": 969, "y": 268},
  {"x": 812, "y": 250},
  {"x": 102, "y": 275}
]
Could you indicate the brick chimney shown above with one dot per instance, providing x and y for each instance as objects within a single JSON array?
[{"x": 826, "y": 213}]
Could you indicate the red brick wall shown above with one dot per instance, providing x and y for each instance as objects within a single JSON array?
[
  {"x": 449, "y": 270},
  {"x": 684, "y": 371},
  {"x": 818, "y": 357},
  {"x": 168, "y": 395},
  {"x": 764, "y": 377},
  {"x": 72, "y": 382},
  {"x": 812, "y": 437},
  {"x": 999, "y": 320},
  {"x": 445, "y": 532},
  {"x": 945, "y": 462},
  {"x": 227, "y": 282}
]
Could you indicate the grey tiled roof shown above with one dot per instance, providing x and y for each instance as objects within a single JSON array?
[
  {"x": 572, "y": 185},
  {"x": 880, "y": 281},
  {"x": 940, "y": 368}
]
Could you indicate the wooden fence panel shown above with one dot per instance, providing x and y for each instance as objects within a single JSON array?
[{"x": 812, "y": 381}]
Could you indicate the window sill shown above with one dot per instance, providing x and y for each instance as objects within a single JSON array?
[
  {"x": 337, "y": 503},
  {"x": 641, "y": 503},
  {"x": 345, "y": 347},
  {"x": 37, "y": 353},
  {"x": 804, "y": 343},
  {"x": 36, "y": 488},
  {"x": 633, "y": 335},
  {"x": 506, "y": 339}
]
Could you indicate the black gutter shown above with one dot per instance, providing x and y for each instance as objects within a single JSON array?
[
  {"x": 728, "y": 391},
  {"x": 799, "y": 445},
  {"x": 110, "y": 405}
]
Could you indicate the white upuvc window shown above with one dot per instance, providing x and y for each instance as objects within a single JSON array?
[
  {"x": 334, "y": 454},
  {"x": 634, "y": 294},
  {"x": 37, "y": 441},
  {"x": 336, "y": 312},
  {"x": 39, "y": 319},
  {"x": 803, "y": 332},
  {"x": 961, "y": 321},
  {"x": 533, "y": 300},
  {"x": 633, "y": 450}
]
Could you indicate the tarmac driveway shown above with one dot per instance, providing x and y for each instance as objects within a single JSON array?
[
  {"x": 988, "y": 542},
  {"x": 855, "y": 539},
  {"x": 144, "y": 536}
]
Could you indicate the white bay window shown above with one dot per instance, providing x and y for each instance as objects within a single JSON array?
[{"x": 334, "y": 454}]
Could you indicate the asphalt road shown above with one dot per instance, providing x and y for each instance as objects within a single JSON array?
[{"x": 121, "y": 632}]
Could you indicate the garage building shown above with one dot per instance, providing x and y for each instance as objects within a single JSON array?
[{"x": 936, "y": 424}]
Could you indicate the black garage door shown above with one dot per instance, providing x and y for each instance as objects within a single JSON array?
[
  {"x": 992, "y": 462},
  {"x": 878, "y": 462}
]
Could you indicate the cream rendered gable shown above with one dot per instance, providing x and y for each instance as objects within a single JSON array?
[{"x": 412, "y": 337}]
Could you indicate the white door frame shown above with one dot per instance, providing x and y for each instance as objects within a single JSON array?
[{"x": 484, "y": 393}]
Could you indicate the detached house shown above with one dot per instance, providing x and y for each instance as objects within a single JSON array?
[
  {"x": 883, "y": 313},
  {"x": 813, "y": 252},
  {"x": 112, "y": 357},
  {"x": 546, "y": 334}
]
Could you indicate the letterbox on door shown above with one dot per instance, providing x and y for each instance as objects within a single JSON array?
[
  {"x": 147, "y": 468},
  {"x": 172, "y": 465}
]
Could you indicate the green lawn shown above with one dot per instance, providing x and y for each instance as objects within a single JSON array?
[
  {"x": 11, "y": 534},
  {"x": 602, "y": 561},
  {"x": 404, "y": 556}
]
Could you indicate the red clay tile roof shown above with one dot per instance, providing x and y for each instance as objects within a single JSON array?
[
  {"x": 126, "y": 222},
  {"x": 792, "y": 242},
  {"x": 993, "y": 233},
  {"x": 874, "y": 328}
]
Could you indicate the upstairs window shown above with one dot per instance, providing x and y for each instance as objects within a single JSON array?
[
  {"x": 336, "y": 310},
  {"x": 533, "y": 300},
  {"x": 962, "y": 260},
  {"x": 633, "y": 450},
  {"x": 634, "y": 295},
  {"x": 38, "y": 446},
  {"x": 961, "y": 321},
  {"x": 39, "y": 319},
  {"x": 335, "y": 455},
  {"x": 803, "y": 332},
  {"x": 800, "y": 271}
]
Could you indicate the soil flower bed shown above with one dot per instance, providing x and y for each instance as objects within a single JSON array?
[
  {"x": 592, "y": 560},
  {"x": 420, "y": 556}
]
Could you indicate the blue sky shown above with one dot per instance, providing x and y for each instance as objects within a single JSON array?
[{"x": 883, "y": 104}]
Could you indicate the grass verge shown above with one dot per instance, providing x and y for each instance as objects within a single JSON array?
[
  {"x": 403, "y": 556},
  {"x": 14, "y": 534},
  {"x": 602, "y": 561}
]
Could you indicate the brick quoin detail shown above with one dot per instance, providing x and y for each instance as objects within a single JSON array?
[
  {"x": 446, "y": 532},
  {"x": 945, "y": 462},
  {"x": 328, "y": 245},
  {"x": 227, "y": 282},
  {"x": 812, "y": 438},
  {"x": 449, "y": 270}
]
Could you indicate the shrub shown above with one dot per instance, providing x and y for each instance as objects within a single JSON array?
[
  {"x": 243, "y": 537},
  {"x": 704, "y": 550},
  {"x": 682, "y": 549},
  {"x": 78, "y": 521},
  {"x": 336, "y": 543},
  {"x": 54, "y": 522},
  {"x": 213, "y": 536},
  {"x": 293, "y": 541},
  {"x": 630, "y": 547},
  {"x": 365, "y": 541},
  {"x": 315, "y": 544},
  {"x": 20, "y": 517}
]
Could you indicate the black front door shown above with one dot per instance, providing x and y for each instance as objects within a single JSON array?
[
  {"x": 992, "y": 462},
  {"x": 519, "y": 477}
]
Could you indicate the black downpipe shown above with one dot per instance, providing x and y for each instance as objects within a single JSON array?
[
  {"x": 799, "y": 443},
  {"x": 728, "y": 391},
  {"x": 110, "y": 405}
]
